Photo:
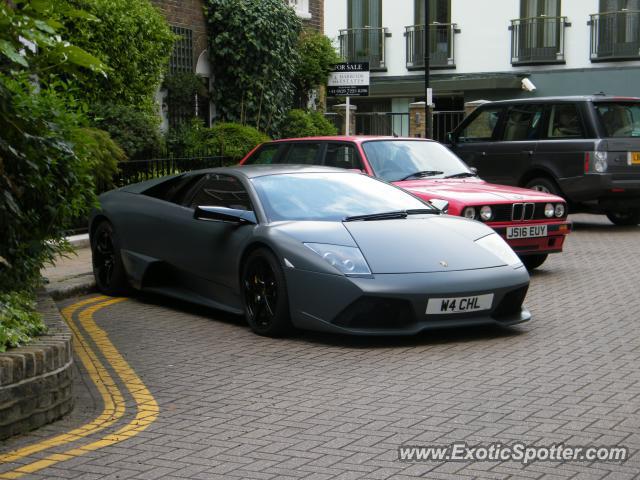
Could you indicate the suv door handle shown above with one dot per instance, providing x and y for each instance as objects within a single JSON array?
[
  {"x": 483, "y": 154},
  {"x": 528, "y": 152}
]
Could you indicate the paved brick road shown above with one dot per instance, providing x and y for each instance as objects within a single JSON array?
[{"x": 234, "y": 405}]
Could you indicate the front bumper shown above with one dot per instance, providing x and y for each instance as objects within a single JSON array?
[
  {"x": 551, "y": 243},
  {"x": 395, "y": 304}
]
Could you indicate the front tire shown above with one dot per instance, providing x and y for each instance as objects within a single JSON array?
[
  {"x": 108, "y": 269},
  {"x": 545, "y": 185},
  {"x": 534, "y": 261},
  {"x": 264, "y": 294},
  {"x": 627, "y": 218}
]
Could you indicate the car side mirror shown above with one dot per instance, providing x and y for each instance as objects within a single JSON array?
[
  {"x": 473, "y": 170},
  {"x": 227, "y": 215}
]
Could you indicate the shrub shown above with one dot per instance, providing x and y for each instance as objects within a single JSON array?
[
  {"x": 133, "y": 39},
  {"x": 45, "y": 184},
  {"x": 102, "y": 154},
  {"x": 316, "y": 57},
  {"x": 233, "y": 140},
  {"x": 189, "y": 138},
  {"x": 135, "y": 131},
  {"x": 253, "y": 56},
  {"x": 306, "y": 124},
  {"x": 18, "y": 319}
]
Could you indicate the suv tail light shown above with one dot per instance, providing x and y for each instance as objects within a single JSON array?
[{"x": 595, "y": 162}]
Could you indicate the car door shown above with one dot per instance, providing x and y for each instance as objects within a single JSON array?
[
  {"x": 206, "y": 252},
  {"x": 562, "y": 147},
  {"x": 514, "y": 150},
  {"x": 475, "y": 140}
]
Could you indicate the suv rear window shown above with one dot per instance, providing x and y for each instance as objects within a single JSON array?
[{"x": 619, "y": 119}]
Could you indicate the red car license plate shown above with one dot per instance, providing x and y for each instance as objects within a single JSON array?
[{"x": 530, "y": 231}]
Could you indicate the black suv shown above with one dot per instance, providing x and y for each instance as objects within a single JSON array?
[{"x": 584, "y": 148}]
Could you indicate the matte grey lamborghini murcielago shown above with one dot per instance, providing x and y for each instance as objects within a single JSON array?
[{"x": 311, "y": 247}]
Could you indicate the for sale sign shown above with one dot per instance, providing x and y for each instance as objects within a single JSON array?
[{"x": 349, "y": 80}]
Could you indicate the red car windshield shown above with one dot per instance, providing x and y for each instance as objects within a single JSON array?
[
  {"x": 619, "y": 119},
  {"x": 396, "y": 160}
]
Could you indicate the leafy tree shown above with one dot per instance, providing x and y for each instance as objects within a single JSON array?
[
  {"x": 316, "y": 59},
  {"x": 47, "y": 165},
  {"x": 133, "y": 38},
  {"x": 252, "y": 44},
  {"x": 135, "y": 131}
]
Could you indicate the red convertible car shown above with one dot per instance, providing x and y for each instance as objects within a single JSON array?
[{"x": 533, "y": 223}]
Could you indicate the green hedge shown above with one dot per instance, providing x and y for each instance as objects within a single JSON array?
[{"x": 306, "y": 124}]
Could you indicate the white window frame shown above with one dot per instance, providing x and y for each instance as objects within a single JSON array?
[{"x": 301, "y": 7}]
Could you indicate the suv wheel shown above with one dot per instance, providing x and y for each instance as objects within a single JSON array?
[
  {"x": 543, "y": 185},
  {"x": 628, "y": 217}
]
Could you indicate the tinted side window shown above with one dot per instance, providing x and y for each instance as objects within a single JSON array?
[
  {"x": 221, "y": 191},
  {"x": 342, "y": 155},
  {"x": 264, "y": 156},
  {"x": 564, "y": 122},
  {"x": 523, "y": 122},
  {"x": 303, "y": 153},
  {"x": 174, "y": 190},
  {"x": 481, "y": 128}
]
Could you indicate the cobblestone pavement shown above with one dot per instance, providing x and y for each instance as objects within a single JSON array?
[{"x": 235, "y": 405}]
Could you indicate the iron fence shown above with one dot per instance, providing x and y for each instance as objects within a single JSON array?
[
  {"x": 537, "y": 40},
  {"x": 140, "y": 170},
  {"x": 444, "y": 122},
  {"x": 615, "y": 35}
]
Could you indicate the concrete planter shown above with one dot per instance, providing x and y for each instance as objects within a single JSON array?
[{"x": 36, "y": 380}]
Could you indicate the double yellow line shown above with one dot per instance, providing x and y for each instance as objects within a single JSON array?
[{"x": 114, "y": 405}]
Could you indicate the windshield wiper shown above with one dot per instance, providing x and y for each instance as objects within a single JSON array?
[
  {"x": 392, "y": 215},
  {"x": 424, "y": 173},
  {"x": 462, "y": 175}
]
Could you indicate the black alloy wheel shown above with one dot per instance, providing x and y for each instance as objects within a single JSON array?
[
  {"x": 626, "y": 218},
  {"x": 265, "y": 295},
  {"x": 107, "y": 264}
]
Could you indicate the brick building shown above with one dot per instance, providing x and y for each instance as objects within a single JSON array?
[{"x": 186, "y": 18}]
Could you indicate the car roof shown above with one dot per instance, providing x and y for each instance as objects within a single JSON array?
[
  {"x": 254, "y": 171},
  {"x": 571, "y": 98},
  {"x": 348, "y": 138}
]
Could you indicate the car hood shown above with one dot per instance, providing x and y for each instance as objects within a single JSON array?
[
  {"x": 419, "y": 245},
  {"x": 474, "y": 191}
]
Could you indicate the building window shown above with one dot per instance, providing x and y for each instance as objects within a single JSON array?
[
  {"x": 538, "y": 36},
  {"x": 364, "y": 39},
  {"x": 182, "y": 56},
  {"x": 615, "y": 31},
  {"x": 441, "y": 32},
  {"x": 301, "y": 7}
]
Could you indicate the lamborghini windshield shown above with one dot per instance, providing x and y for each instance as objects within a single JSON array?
[{"x": 330, "y": 196}]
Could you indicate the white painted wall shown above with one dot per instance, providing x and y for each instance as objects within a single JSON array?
[{"x": 484, "y": 45}]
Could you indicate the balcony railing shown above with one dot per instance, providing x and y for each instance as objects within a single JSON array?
[
  {"x": 364, "y": 45},
  {"x": 537, "y": 40},
  {"x": 441, "y": 46},
  {"x": 615, "y": 35}
]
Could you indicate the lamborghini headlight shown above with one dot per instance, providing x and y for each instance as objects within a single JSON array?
[
  {"x": 496, "y": 245},
  {"x": 348, "y": 260}
]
